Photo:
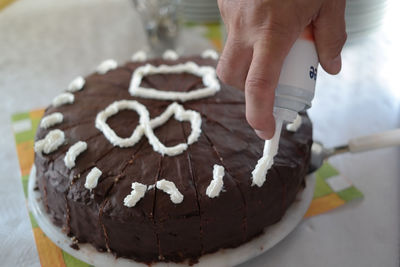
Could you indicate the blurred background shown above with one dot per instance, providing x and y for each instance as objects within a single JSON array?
[{"x": 44, "y": 44}]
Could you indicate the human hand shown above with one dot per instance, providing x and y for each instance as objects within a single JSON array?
[{"x": 260, "y": 35}]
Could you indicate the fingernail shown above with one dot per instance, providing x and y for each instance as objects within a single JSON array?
[
  {"x": 335, "y": 65},
  {"x": 262, "y": 134}
]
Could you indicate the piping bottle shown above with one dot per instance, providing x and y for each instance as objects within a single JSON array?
[{"x": 294, "y": 93}]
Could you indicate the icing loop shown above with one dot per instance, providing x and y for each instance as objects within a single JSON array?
[
  {"x": 76, "y": 84},
  {"x": 73, "y": 152},
  {"x": 170, "y": 188},
  {"x": 207, "y": 73},
  {"x": 210, "y": 53},
  {"x": 138, "y": 191},
  {"x": 170, "y": 55},
  {"x": 180, "y": 114},
  {"x": 215, "y": 187},
  {"x": 139, "y": 56},
  {"x": 62, "y": 99},
  {"x": 53, "y": 140},
  {"x": 51, "y": 120},
  {"x": 146, "y": 126},
  {"x": 106, "y": 66},
  {"x": 92, "y": 178},
  {"x": 113, "y": 109}
]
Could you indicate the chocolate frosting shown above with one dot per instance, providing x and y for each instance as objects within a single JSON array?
[{"x": 156, "y": 229}]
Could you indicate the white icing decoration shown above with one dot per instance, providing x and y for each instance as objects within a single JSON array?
[
  {"x": 139, "y": 56},
  {"x": 73, "y": 152},
  {"x": 150, "y": 187},
  {"x": 146, "y": 125},
  {"x": 215, "y": 187},
  {"x": 295, "y": 125},
  {"x": 92, "y": 178},
  {"x": 53, "y": 140},
  {"x": 267, "y": 160},
  {"x": 51, "y": 120},
  {"x": 113, "y": 109},
  {"x": 170, "y": 188},
  {"x": 138, "y": 191},
  {"x": 207, "y": 73},
  {"x": 62, "y": 99},
  {"x": 106, "y": 66},
  {"x": 210, "y": 53},
  {"x": 76, "y": 84},
  {"x": 170, "y": 55},
  {"x": 180, "y": 114}
]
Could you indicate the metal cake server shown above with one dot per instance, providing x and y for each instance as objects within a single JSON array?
[{"x": 359, "y": 144}]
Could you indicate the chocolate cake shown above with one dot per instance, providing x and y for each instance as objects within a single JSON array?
[{"x": 139, "y": 175}]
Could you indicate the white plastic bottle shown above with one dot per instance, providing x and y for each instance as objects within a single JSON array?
[{"x": 294, "y": 93}]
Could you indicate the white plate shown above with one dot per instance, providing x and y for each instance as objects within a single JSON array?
[{"x": 225, "y": 257}]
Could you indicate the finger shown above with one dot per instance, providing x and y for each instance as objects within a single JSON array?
[
  {"x": 234, "y": 62},
  {"x": 262, "y": 79},
  {"x": 330, "y": 35}
]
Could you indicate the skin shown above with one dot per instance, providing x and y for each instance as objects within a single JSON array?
[{"x": 260, "y": 35}]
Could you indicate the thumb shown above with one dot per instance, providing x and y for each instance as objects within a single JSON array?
[{"x": 330, "y": 35}]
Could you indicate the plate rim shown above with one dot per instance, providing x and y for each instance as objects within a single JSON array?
[{"x": 224, "y": 257}]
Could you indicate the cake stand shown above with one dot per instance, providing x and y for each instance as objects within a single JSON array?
[{"x": 224, "y": 257}]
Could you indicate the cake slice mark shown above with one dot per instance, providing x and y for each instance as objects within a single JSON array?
[
  {"x": 75, "y": 125},
  {"x": 106, "y": 195},
  {"x": 222, "y": 125},
  {"x": 214, "y": 121},
  {"x": 106, "y": 238},
  {"x": 68, "y": 218},
  {"x": 66, "y": 225},
  {"x": 188, "y": 155},
  {"x": 220, "y": 103},
  {"x": 160, "y": 257},
  {"x": 221, "y": 162},
  {"x": 284, "y": 191}
]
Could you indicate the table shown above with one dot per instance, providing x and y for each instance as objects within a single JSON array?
[{"x": 45, "y": 43}]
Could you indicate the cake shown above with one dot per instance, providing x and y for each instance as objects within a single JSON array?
[{"x": 153, "y": 161}]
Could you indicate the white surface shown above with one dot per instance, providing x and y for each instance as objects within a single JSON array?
[
  {"x": 227, "y": 257},
  {"x": 44, "y": 44}
]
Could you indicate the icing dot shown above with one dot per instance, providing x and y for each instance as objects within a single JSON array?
[
  {"x": 295, "y": 125},
  {"x": 106, "y": 66},
  {"x": 209, "y": 53},
  {"x": 170, "y": 55},
  {"x": 73, "y": 152},
  {"x": 76, "y": 84},
  {"x": 170, "y": 188},
  {"x": 139, "y": 56},
  {"x": 138, "y": 191},
  {"x": 215, "y": 187},
  {"x": 51, "y": 120},
  {"x": 92, "y": 178},
  {"x": 62, "y": 99},
  {"x": 53, "y": 140}
]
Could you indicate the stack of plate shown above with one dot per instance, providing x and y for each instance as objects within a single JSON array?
[
  {"x": 363, "y": 16},
  {"x": 201, "y": 11}
]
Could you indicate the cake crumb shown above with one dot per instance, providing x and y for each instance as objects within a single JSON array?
[
  {"x": 74, "y": 246},
  {"x": 74, "y": 243}
]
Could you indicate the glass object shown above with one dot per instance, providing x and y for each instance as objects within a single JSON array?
[{"x": 160, "y": 20}]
